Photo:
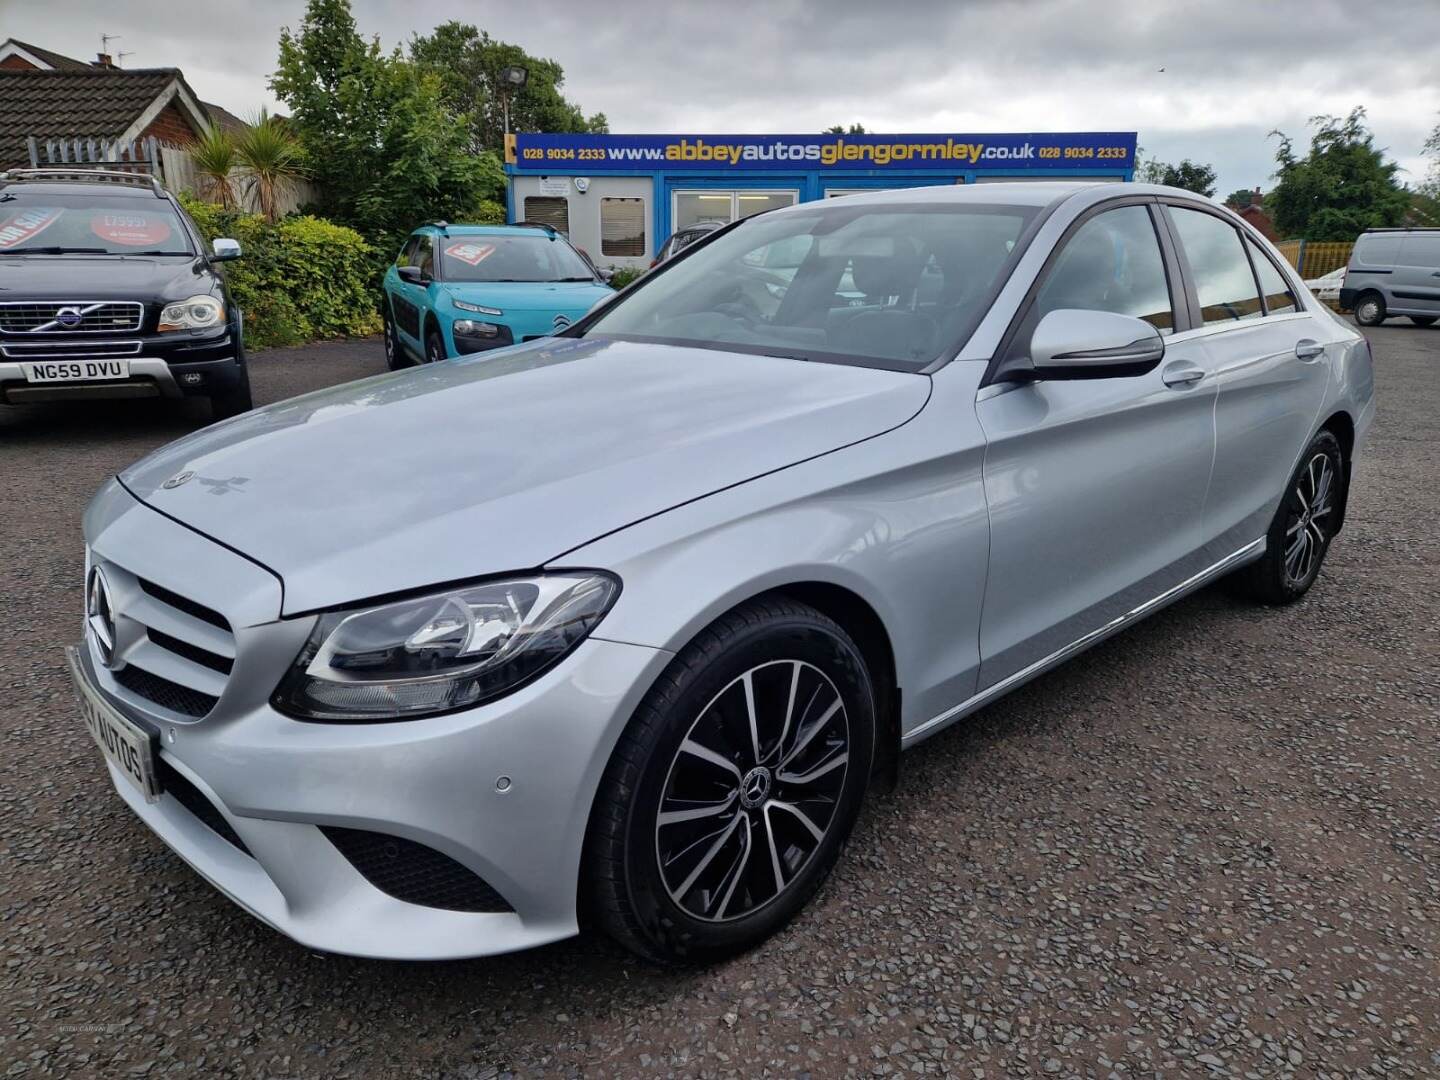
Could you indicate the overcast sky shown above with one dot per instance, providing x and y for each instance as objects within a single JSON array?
[{"x": 1233, "y": 71}]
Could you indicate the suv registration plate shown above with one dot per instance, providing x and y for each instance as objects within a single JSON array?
[{"x": 50, "y": 371}]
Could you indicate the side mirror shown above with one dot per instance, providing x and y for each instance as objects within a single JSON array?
[
  {"x": 1075, "y": 344},
  {"x": 223, "y": 249},
  {"x": 605, "y": 274},
  {"x": 413, "y": 274}
]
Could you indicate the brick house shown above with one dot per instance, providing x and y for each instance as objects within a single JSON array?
[
  {"x": 1255, "y": 214},
  {"x": 47, "y": 95}
]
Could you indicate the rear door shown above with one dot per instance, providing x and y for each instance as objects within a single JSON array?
[
  {"x": 1416, "y": 281},
  {"x": 1094, "y": 486},
  {"x": 1268, "y": 358}
]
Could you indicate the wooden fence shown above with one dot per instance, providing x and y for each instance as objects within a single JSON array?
[
  {"x": 172, "y": 165},
  {"x": 1314, "y": 258}
]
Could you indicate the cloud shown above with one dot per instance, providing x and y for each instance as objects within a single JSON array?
[{"x": 1233, "y": 71}]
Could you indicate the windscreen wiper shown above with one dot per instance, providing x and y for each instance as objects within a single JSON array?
[{"x": 53, "y": 251}]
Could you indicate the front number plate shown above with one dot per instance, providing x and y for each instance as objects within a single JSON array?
[
  {"x": 125, "y": 745},
  {"x": 51, "y": 371}
]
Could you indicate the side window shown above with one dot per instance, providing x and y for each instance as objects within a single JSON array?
[
  {"x": 1278, "y": 297},
  {"x": 425, "y": 256},
  {"x": 407, "y": 253},
  {"x": 1112, "y": 263},
  {"x": 1223, "y": 280}
]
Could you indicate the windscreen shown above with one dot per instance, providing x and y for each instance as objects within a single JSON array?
[
  {"x": 34, "y": 222},
  {"x": 894, "y": 286},
  {"x": 511, "y": 258}
]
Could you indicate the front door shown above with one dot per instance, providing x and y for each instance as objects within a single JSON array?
[{"x": 1094, "y": 486}]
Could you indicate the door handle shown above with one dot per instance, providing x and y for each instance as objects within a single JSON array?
[
  {"x": 1182, "y": 376},
  {"x": 1308, "y": 350}
]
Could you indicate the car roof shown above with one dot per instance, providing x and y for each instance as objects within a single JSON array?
[
  {"x": 1036, "y": 193},
  {"x": 80, "y": 187}
]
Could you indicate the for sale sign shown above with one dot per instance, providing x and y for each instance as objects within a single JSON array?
[
  {"x": 131, "y": 230},
  {"x": 21, "y": 226},
  {"x": 470, "y": 251}
]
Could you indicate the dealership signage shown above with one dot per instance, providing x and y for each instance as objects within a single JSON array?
[{"x": 1037, "y": 151}]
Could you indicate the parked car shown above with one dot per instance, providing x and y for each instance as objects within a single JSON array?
[
  {"x": 1394, "y": 272},
  {"x": 455, "y": 290},
  {"x": 1327, "y": 287},
  {"x": 107, "y": 292},
  {"x": 683, "y": 238},
  {"x": 624, "y": 622}
]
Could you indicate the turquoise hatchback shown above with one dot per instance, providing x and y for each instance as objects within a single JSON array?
[{"x": 455, "y": 290}]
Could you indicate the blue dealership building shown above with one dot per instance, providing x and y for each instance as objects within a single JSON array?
[{"x": 620, "y": 196}]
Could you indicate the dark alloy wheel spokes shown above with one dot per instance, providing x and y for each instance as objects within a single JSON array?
[
  {"x": 753, "y": 790},
  {"x": 1312, "y": 505}
]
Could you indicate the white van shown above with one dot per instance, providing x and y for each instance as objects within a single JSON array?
[{"x": 1394, "y": 272}]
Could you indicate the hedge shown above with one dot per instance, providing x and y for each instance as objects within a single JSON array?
[{"x": 300, "y": 279}]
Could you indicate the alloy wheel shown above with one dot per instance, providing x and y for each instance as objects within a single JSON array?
[
  {"x": 1312, "y": 507},
  {"x": 752, "y": 791}
]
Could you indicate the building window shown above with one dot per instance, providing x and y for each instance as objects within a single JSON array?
[
  {"x": 622, "y": 228},
  {"x": 695, "y": 207},
  {"x": 552, "y": 210}
]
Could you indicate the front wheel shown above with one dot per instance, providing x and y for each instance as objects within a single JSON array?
[
  {"x": 1370, "y": 310},
  {"x": 434, "y": 347},
  {"x": 1424, "y": 320},
  {"x": 1301, "y": 531},
  {"x": 729, "y": 795},
  {"x": 234, "y": 401}
]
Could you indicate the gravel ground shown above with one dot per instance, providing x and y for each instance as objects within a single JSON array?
[{"x": 1210, "y": 846}]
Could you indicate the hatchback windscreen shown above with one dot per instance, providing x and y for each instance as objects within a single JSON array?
[
  {"x": 510, "y": 258},
  {"x": 887, "y": 285},
  {"x": 37, "y": 223}
]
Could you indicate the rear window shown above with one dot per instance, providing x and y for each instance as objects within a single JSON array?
[{"x": 41, "y": 223}]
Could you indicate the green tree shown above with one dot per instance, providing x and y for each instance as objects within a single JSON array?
[
  {"x": 1340, "y": 188},
  {"x": 1239, "y": 198},
  {"x": 1430, "y": 186},
  {"x": 382, "y": 147},
  {"x": 841, "y": 129},
  {"x": 467, "y": 62},
  {"x": 1190, "y": 175},
  {"x": 272, "y": 160}
]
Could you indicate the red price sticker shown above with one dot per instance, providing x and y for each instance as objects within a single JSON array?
[
  {"x": 21, "y": 226},
  {"x": 130, "y": 230},
  {"x": 470, "y": 251}
]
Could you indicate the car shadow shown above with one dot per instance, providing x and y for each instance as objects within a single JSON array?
[{"x": 66, "y": 423}]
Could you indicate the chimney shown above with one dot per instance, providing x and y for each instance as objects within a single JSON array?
[
  {"x": 1256, "y": 199},
  {"x": 103, "y": 60}
]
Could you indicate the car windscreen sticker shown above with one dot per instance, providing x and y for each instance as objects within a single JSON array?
[
  {"x": 23, "y": 224},
  {"x": 131, "y": 230},
  {"x": 470, "y": 251}
]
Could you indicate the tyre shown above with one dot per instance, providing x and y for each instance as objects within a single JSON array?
[
  {"x": 1424, "y": 320},
  {"x": 434, "y": 347},
  {"x": 233, "y": 402},
  {"x": 1370, "y": 309},
  {"x": 1302, "y": 529},
  {"x": 395, "y": 357},
  {"x": 730, "y": 793}
]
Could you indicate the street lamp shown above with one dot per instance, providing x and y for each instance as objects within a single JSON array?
[{"x": 513, "y": 77}]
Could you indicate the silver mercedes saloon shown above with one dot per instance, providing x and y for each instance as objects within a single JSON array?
[{"x": 618, "y": 627}]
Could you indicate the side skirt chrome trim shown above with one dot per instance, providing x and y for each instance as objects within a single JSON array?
[{"x": 930, "y": 727}]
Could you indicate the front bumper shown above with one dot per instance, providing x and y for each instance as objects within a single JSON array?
[
  {"x": 165, "y": 366},
  {"x": 278, "y": 783}
]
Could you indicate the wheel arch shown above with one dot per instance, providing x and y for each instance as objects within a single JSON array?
[{"x": 1342, "y": 425}]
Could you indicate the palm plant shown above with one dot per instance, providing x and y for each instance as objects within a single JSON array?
[
  {"x": 215, "y": 157},
  {"x": 272, "y": 162}
]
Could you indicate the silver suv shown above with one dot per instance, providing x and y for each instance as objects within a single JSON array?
[
  {"x": 1394, "y": 272},
  {"x": 624, "y": 622}
]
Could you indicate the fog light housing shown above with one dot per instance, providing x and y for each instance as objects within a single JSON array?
[
  {"x": 192, "y": 378},
  {"x": 475, "y": 328}
]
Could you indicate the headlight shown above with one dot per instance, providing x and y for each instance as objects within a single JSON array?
[
  {"x": 471, "y": 328},
  {"x": 194, "y": 314},
  {"x": 444, "y": 651},
  {"x": 463, "y": 306}
]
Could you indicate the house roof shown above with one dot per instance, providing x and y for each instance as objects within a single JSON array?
[
  {"x": 45, "y": 56},
  {"x": 86, "y": 103},
  {"x": 227, "y": 120}
]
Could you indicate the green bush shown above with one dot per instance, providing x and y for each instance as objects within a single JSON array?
[
  {"x": 624, "y": 275},
  {"x": 300, "y": 279},
  {"x": 486, "y": 212}
]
